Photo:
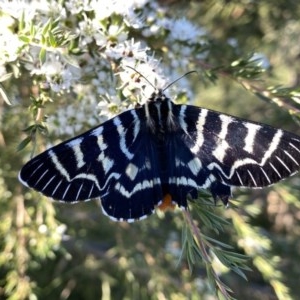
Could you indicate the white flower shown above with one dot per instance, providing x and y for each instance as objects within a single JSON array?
[
  {"x": 109, "y": 106},
  {"x": 10, "y": 46},
  {"x": 117, "y": 32},
  {"x": 90, "y": 30},
  {"x": 183, "y": 30},
  {"x": 132, "y": 19},
  {"x": 43, "y": 229},
  {"x": 71, "y": 119},
  {"x": 76, "y": 6},
  {"x": 17, "y": 7},
  {"x": 143, "y": 79},
  {"x": 61, "y": 229},
  {"x": 152, "y": 30},
  {"x": 58, "y": 75},
  {"x": 51, "y": 9},
  {"x": 132, "y": 50},
  {"x": 101, "y": 84},
  {"x": 102, "y": 8},
  {"x": 114, "y": 34},
  {"x": 261, "y": 60},
  {"x": 233, "y": 42}
]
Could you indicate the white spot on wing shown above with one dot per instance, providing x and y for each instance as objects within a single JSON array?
[
  {"x": 100, "y": 141},
  {"x": 195, "y": 165},
  {"x": 208, "y": 182},
  {"x": 220, "y": 152},
  {"x": 147, "y": 164},
  {"x": 250, "y": 137},
  {"x": 106, "y": 162},
  {"x": 131, "y": 171},
  {"x": 78, "y": 155},
  {"x": 97, "y": 131},
  {"x": 178, "y": 162},
  {"x": 75, "y": 142}
]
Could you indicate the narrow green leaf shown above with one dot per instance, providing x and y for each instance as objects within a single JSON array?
[
  {"x": 30, "y": 128},
  {"x": 24, "y": 143},
  {"x": 32, "y": 29},
  {"x": 216, "y": 242},
  {"x": 42, "y": 55},
  {"x": 25, "y": 38},
  {"x": 43, "y": 40},
  {"x": 238, "y": 271},
  {"x": 52, "y": 40},
  {"x": 55, "y": 23},
  {"x": 22, "y": 21},
  {"x": 46, "y": 27}
]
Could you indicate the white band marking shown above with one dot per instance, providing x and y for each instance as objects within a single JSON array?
[
  {"x": 273, "y": 146},
  {"x": 220, "y": 152},
  {"x": 250, "y": 137},
  {"x": 122, "y": 137},
  {"x": 200, "y": 127}
]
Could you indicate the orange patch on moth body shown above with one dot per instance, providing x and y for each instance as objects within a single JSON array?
[{"x": 166, "y": 203}]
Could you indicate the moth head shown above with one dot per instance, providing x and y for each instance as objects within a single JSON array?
[{"x": 158, "y": 96}]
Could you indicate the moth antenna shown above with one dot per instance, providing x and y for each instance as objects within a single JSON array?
[
  {"x": 170, "y": 84},
  {"x": 135, "y": 70}
]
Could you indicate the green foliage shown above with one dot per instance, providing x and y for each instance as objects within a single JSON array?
[{"x": 200, "y": 247}]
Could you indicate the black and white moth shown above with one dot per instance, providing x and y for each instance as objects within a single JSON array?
[{"x": 136, "y": 159}]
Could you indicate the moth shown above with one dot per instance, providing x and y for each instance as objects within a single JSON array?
[{"x": 159, "y": 151}]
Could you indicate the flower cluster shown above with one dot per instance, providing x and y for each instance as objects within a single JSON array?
[{"x": 109, "y": 47}]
